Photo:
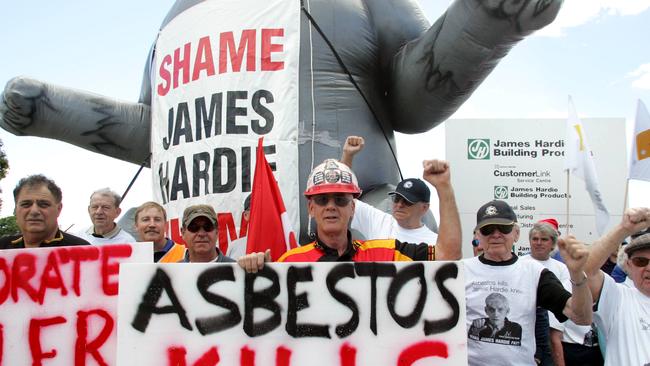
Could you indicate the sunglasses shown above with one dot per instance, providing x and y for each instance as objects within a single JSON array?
[
  {"x": 397, "y": 198},
  {"x": 323, "y": 200},
  {"x": 640, "y": 261},
  {"x": 489, "y": 229},
  {"x": 194, "y": 227}
]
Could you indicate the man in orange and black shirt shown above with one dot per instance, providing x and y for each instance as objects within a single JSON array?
[{"x": 331, "y": 190}]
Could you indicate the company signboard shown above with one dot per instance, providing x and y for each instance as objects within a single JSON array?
[{"x": 521, "y": 161}]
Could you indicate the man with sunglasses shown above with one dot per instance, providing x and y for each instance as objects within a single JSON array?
[
  {"x": 623, "y": 313},
  {"x": 410, "y": 205},
  {"x": 199, "y": 232},
  {"x": 331, "y": 189},
  {"x": 525, "y": 284}
]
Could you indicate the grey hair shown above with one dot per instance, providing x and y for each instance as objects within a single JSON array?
[{"x": 107, "y": 192}]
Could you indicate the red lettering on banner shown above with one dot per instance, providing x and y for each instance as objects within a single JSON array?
[
  {"x": 51, "y": 278},
  {"x": 204, "y": 59},
  {"x": 6, "y": 286},
  {"x": 176, "y": 357},
  {"x": 76, "y": 256},
  {"x": 187, "y": 60},
  {"x": 268, "y": 48},
  {"x": 226, "y": 229},
  {"x": 348, "y": 355},
  {"x": 164, "y": 74},
  {"x": 247, "y": 46},
  {"x": 112, "y": 268},
  {"x": 82, "y": 346},
  {"x": 422, "y": 350},
  {"x": 182, "y": 64},
  {"x": 23, "y": 269},
  {"x": 2, "y": 343},
  {"x": 282, "y": 356},
  {"x": 247, "y": 357},
  {"x": 35, "y": 348}
]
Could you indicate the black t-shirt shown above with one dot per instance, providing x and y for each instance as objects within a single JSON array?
[{"x": 61, "y": 239}]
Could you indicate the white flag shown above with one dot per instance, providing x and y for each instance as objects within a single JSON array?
[
  {"x": 579, "y": 161},
  {"x": 640, "y": 156}
]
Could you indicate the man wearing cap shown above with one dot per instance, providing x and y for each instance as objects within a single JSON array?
[
  {"x": 331, "y": 189},
  {"x": 199, "y": 232},
  {"x": 410, "y": 205},
  {"x": 525, "y": 283},
  {"x": 622, "y": 313},
  {"x": 237, "y": 247}
]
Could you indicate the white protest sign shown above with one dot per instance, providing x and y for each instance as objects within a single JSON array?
[
  {"x": 226, "y": 73},
  {"x": 521, "y": 161},
  {"x": 58, "y": 306},
  {"x": 389, "y": 313}
]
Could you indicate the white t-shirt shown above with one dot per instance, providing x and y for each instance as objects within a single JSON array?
[
  {"x": 517, "y": 282},
  {"x": 237, "y": 248},
  {"x": 623, "y": 315},
  {"x": 119, "y": 236},
  {"x": 374, "y": 223}
]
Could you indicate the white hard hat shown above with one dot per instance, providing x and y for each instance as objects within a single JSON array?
[{"x": 332, "y": 176}]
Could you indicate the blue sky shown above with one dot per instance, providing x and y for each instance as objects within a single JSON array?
[{"x": 595, "y": 51}]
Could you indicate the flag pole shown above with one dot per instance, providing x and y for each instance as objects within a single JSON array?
[
  {"x": 627, "y": 187},
  {"x": 568, "y": 174}
]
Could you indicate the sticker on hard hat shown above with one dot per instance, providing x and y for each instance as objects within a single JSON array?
[
  {"x": 318, "y": 178},
  {"x": 332, "y": 176},
  {"x": 346, "y": 177}
]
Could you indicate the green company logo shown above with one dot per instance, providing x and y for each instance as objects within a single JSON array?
[
  {"x": 478, "y": 149},
  {"x": 500, "y": 192}
]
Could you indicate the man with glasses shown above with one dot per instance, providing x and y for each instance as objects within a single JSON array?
[
  {"x": 331, "y": 189},
  {"x": 622, "y": 313},
  {"x": 199, "y": 232},
  {"x": 410, "y": 205},
  {"x": 525, "y": 284}
]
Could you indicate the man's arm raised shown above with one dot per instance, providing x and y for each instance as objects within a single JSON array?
[
  {"x": 448, "y": 246},
  {"x": 353, "y": 145}
]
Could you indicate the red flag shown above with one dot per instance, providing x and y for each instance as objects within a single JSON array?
[{"x": 269, "y": 226}]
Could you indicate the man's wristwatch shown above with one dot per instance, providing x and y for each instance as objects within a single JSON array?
[{"x": 581, "y": 282}]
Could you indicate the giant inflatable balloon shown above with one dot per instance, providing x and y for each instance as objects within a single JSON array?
[{"x": 362, "y": 67}]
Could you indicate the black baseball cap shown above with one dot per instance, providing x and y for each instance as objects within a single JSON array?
[
  {"x": 495, "y": 213},
  {"x": 413, "y": 190},
  {"x": 247, "y": 203}
]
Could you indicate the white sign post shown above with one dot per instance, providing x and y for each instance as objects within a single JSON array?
[
  {"x": 293, "y": 314},
  {"x": 521, "y": 162}
]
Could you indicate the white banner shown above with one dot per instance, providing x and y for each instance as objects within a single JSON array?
[
  {"x": 293, "y": 314},
  {"x": 521, "y": 161},
  {"x": 58, "y": 306},
  {"x": 226, "y": 73}
]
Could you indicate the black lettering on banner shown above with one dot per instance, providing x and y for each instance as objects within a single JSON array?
[
  {"x": 403, "y": 276},
  {"x": 446, "y": 271},
  {"x": 232, "y": 111},
  {"x": 270, "y": 150},
  {"x": 183, "y": 126},
  {"x": 213, "y": 324},
  {"x": 245, "y": 168},
  {"x": 231, "y": 166},
  {"x": 163, "y": 175},
  {"x": 338, "y": 272},
  {"x": 299, "y": 302},
  {"x": 206, "y": 119},
  {"x": 374, "y": 270},
  {"x": 148, "y": 306},
  {"x": 262, "y": 111},
  {"x": 200, "y": 172},
  {"x": 264, "y": 299},
  {"x": 166, "y": 141},
  {"x": 179, "y": 182}
]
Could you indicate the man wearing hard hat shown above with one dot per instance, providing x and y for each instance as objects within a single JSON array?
[{"x": 331, "y": 189}]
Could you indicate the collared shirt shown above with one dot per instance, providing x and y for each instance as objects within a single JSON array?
[
  {"x": 115, "y": 236},
  {"x": 61, "y": 239},
  {"x": 220, "y": 258},
  {"x": 161, "y": 253}
]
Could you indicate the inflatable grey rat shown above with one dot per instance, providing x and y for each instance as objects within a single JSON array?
[{"x": 367, "y": 68}]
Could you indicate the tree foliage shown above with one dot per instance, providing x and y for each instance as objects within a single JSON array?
[
  {"x": 4, "y": 163},
  {"x": 8, "y": 226}
]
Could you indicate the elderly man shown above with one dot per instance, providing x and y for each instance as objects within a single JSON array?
[
  {"x": 38, "y": 205},
  {"x": 525, "y": 284},
  {"x": 330, "y": 192},
  {"x": 410, "y": 205},
  {"x": 199, "y": 232},
  {"x": 104, "y": 208},
  {"x": 623, "y": 313},
  {"x": 150, "y": 223},
  {"x": 496, "y": 327}
]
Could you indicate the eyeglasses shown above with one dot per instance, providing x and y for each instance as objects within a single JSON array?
[
  {"x": 194, "y": 227},
  {"x": 640, "y": 261},
  {"x": 323, "y": 200},
  {"x": 397, "y": 198},
  {"x": 489, "y": 229}
]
